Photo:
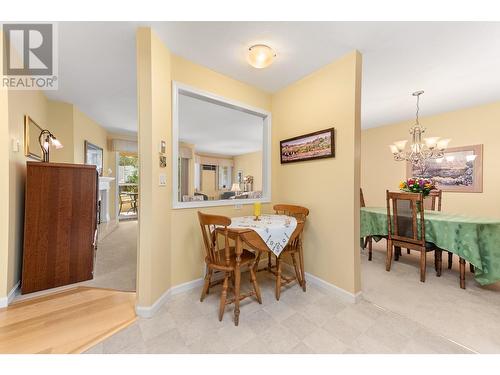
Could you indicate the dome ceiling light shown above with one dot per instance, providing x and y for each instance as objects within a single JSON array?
[{"x": 260, "y": 56}]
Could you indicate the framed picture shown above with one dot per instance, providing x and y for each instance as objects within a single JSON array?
[
  {"x": 94, "y": 156},
  {"x": 460, "y": 170},
  {"x": 317, "y": 145},
  {"x": 32, "y": 131}
]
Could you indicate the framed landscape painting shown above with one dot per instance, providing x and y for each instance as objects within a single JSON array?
[
  {"x": 460, "y": 170},
  {"x": 317, "y": 145}
]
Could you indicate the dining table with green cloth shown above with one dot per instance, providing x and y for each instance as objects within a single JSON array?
[{"x": 477, "y": 240}]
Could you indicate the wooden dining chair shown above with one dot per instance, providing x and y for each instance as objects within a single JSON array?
[
  {"x": 294, "y": 248},
  {"x": 368, "y": 240},
  {"x": 406, "y": 228},
  {"x": 220, "y": 257},
  {"x": 433, "y": 201}
]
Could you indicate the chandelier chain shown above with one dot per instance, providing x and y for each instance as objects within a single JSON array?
[
  {"x": 418, "y": 109},
  {"x": 421, "y": 149}
]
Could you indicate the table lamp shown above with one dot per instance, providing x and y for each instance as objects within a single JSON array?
[
  {"x": 236, "y": 188},
  {"x": 45, "y": 143}
]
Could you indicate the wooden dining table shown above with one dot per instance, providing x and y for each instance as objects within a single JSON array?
[{"x": 250, "y": 238}]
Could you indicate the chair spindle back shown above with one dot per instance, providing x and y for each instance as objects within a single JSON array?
[
  {"x": 433, "y": 202},
  {"x": 405, "y": 217},
  {"x": 208, "y": 224}
]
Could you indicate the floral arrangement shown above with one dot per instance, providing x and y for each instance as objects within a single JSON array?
[{"x": 417, "y": 185}]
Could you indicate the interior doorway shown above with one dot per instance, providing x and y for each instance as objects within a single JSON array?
[{"x": 127, "y": 192}]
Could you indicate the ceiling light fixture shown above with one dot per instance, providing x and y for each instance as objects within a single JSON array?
[
  {"x": 260, "y": 56},
  {"x": 420, "y": 149}
]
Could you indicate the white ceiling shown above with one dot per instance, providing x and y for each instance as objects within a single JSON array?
[
  {"x": 456, "y": 63},
  {"x": 215, "y": 129}
]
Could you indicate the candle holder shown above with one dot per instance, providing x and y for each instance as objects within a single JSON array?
[{"x": 256, "y": 211}]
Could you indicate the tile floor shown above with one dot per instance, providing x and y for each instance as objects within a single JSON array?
[
  {"x": 397, "y": 314},
  {"x": 311, "y": 322},
  {"x": 468, "y": 317}
]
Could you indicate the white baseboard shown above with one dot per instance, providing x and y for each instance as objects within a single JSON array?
[
  {"x": 149, "y": 311},
  {"x": 328, "y": 287},
  {"x": 5, "y": 301},
  {"x": 334, "y": 289}
]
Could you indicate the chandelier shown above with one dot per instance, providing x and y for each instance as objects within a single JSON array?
[{"x": 421, "y": 149}]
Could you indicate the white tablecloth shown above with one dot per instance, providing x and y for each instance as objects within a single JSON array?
[{"x": 275, "y": 230}]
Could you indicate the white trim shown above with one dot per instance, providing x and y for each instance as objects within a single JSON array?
[
  {"x": 178, "y": 88},
  {"x": 328, "y": 287},
  {"x": 334, "y": 289},
  {"x": 149, "y": 311},
  {"x": 5, "y": 301}
]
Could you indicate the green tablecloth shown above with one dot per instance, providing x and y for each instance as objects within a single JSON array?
[{"x": 477, "y": 240}]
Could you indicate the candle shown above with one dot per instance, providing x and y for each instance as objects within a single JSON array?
[{"x": 256, "y": 209}]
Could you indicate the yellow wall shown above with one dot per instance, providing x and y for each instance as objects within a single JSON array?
[
  {"x": 187, "y": 251},
  {"x": 191, "y": 166},
  {"x": 86, "y": 129},
  {"x": 330, "y": 97},
  {"x": 470, "y": 126},
  {"x": 5, "y": 145},
  {"x": 250, "y": 164},
  {"x": 34, "y": 104},
  {"x": 70, "y": 126},
  {"x": 170, "y": 239},
  {"x": 154, "y": 113},
  {"x": 60, "y": 123},
  {"x": 170, "y": 250}
]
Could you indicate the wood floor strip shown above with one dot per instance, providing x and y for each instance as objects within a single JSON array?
[{"x": 70, "y": 321}]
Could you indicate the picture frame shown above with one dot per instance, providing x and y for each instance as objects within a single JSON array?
[
  {"x": 94, "y": 155},
  {"x": 310, "y": 146},
  {"x": 455, "y": 172},
  {"x": 32, "y": 132}
]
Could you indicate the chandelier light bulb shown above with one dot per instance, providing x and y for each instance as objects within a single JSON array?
[
  {"x": 400, "y": 145},
  {"x": 431, "y": 142},
  {"x": 394, "y": 149},
  {"x": 443, "y": 143}
]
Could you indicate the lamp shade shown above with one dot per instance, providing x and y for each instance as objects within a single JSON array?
[
  {"x": 400, "y": 145},
  {"x": 443, "y": 143},
  {"x": 236, "y": 187},
  {"x": 55, "y": 142}
]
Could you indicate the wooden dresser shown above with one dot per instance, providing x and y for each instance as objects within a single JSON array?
[{"x": 60, "y": 225}]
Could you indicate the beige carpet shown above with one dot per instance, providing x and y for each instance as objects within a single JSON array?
[
  {"x": 468, "y": 317},
  {"x": 116, "y": 259}
]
